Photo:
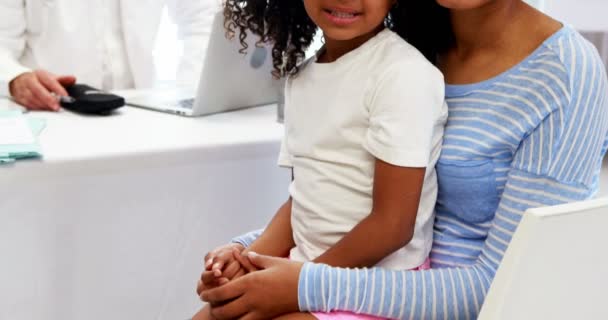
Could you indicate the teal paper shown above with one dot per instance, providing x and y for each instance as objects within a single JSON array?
[{"x": 10, "y": 153}]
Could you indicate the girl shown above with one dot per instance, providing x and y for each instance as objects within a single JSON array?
[{"x": 364, "y": 126}]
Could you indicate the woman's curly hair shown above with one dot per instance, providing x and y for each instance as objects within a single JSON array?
[{"x": 286, "y": 26}]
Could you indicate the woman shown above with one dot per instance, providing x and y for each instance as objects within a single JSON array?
[{"x": 527, "y": 128}]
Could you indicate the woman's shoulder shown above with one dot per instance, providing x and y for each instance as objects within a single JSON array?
[
  {"x": 571, "y": 77},
  {"x": 578, "y": 58},
  {"x": 563, "y": 69}
]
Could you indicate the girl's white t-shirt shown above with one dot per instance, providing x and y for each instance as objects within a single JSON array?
[{"x": 383, "y": 100}]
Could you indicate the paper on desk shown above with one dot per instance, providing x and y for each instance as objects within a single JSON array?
[
  {"x": 7, "y": 105},
  {"x": 15, "y": 143},
  {"x": 37, "y": 125},
  {"x": 15, "y": 130},
  {"x": 7, "y": 160}
]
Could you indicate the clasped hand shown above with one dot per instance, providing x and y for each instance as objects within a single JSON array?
[
  {"x": 244, "y": 285},
  {"x": 222, "y": 265}
]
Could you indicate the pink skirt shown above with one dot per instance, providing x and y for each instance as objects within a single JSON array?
[{"x": 342, "y": 315}]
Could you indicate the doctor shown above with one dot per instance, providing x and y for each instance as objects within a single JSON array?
[{"x": 47, "y": 44}]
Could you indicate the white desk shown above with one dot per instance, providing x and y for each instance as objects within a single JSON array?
[{"x": 114, "y": 221}]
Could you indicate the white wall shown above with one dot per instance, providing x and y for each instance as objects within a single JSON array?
[
  {"x": 582, "y": 14},
  {"x": 540, "y": 4}
]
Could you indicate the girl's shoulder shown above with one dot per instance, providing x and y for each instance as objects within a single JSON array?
[
  {"x": 398, "y": 73},
  {"x": 394, "y": 49},
  {"x": 394, "y": 55}
]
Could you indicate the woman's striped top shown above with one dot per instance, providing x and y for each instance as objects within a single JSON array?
[{"x": 533, "y": 136}]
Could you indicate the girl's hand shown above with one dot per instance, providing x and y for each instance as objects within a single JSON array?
[
  {"x": 265, "y": 294},
  {"x": 221, "y": 260},
  {"x": 209, "y": 280},
  {"x": 221, "y": 266}
]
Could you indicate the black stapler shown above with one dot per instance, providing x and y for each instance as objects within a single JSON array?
[{"x": 88, "y": 100}]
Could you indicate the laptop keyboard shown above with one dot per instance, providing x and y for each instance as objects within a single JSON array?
[{"x": 186, "y": 103}]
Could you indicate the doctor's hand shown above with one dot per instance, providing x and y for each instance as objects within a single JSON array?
[{"x": 35, "y": 90}]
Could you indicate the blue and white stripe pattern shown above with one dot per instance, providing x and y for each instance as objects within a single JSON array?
[{"x": 531, "y": 137}]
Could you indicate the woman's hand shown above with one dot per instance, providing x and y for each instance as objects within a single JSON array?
[{"x": 263, "y": 294}]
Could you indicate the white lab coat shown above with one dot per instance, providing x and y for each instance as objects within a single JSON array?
[{"x": 63, "y": 37}]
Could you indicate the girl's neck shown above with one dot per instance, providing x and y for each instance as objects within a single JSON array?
[{"x": 335, "y": 49}]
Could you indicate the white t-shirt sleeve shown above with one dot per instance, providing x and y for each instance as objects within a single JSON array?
[{"x": 404, "y": 110}]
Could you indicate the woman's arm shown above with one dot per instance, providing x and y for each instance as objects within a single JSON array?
[
  {"x": 454, "y": 293},
  {"x": 450, "y": 293},
  {"x": 389, "y": 227},
  {"x": 247, "y": 239}
]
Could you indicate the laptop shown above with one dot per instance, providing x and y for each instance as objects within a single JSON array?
[{"x": 229, "y": 80}]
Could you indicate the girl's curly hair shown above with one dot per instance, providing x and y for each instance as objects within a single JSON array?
[{"x": 286, "y": 25}]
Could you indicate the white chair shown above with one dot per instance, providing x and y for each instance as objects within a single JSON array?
[{"x": 556, "y": 266}]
